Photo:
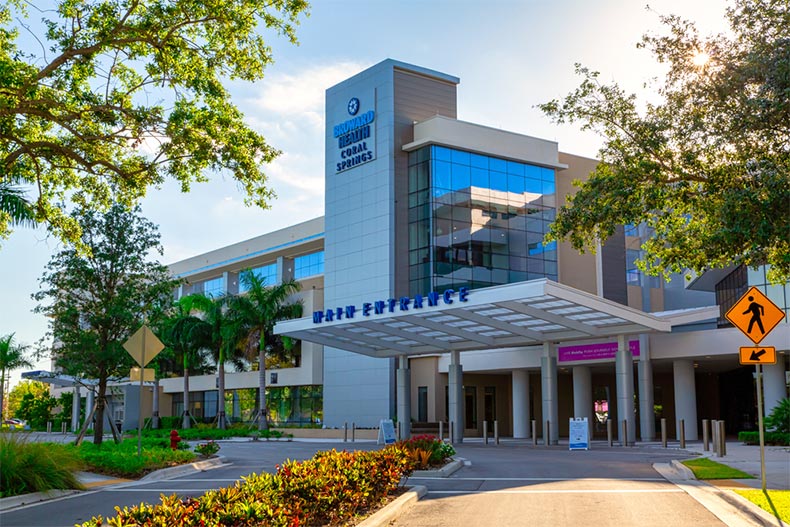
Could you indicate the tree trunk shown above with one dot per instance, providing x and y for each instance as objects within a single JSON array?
[
  {"x": 263, "y": 418},
  {"x": 185, "y": 423},
  {"x": 221, "y": 397},
  {"x": 98, "y": 424},
  {"x": 155, "y": 410},
  {"x": 2, "y": 396}
]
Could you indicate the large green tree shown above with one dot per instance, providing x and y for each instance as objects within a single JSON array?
[
  {"x": 257, "y": 311},
  {"x": 34, "y": 389},
  {"x": 96, "y": 301},
  {"x": 12, "y": 357},
  {"x": 708, "y": 167},
  {"x": 106, "y": 98}
]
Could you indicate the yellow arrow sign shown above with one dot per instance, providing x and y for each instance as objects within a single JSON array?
[
  {"x": 762, "y": 355},
  {"x": 143, "y": 340}
]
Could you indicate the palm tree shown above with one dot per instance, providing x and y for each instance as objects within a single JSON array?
[
  {"x": 218, "y": 335},
  {"x": 257, "y": 311},
  {"x": 12, "y": 356},
  {"x": 14, "y": 203}
]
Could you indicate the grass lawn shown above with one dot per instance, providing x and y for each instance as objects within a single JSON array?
[
  {"x": 777, "y": 502},
  {"x": 704, "y": 468}
]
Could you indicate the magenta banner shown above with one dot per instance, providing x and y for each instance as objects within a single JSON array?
[{"x": 604, "y": 350}]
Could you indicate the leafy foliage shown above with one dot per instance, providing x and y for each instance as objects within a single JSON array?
[
  {"x": 207, "y": 449},
  {"x": 35, "y": 467},
  {"x": 122, "y": 460},
  {"x": 428, "y": 450},
  {"x": 779, "y": 420},
  {"x": 36, "y": 408},
  {"x": 95, "y": 302},
  {"x": 708, "y": 168},
  {"x": 123, "y": 94},
  {"x": 34, "y": 388},
  {"x": 12, "y": 357},
  {"x": 331, "y": 488},
  {"x": 770, "y": 438}
]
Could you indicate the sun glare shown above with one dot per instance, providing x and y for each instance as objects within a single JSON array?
[{"x": 700, "y": 58}]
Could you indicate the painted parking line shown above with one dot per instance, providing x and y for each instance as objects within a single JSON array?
[
  {"x": 561, "y": 491},
  {"x": 537, "y": 479}
]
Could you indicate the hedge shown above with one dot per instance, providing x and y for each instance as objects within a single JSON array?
[
  {"x": 771, "y": 438},
  {"x": 331, "y": 488}
]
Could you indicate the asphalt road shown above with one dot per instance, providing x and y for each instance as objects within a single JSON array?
[
  {"x": 517, "y": 485},
  {"x": 242, "y": 458}
]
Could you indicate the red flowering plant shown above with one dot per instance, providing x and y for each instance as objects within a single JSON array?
[{"x": 427, "y": 450}]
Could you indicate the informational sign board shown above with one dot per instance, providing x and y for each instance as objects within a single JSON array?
[
  {"x": 760, "y": 355},
  {"x": 755, "y": 315},
  {"x": 386, "y": 432},
  {"x": 143, "y": 344},
  {"x": 148, "y": 375},
  {"x": 603, "y": 350},
  {"x": 579, "y": 434}
]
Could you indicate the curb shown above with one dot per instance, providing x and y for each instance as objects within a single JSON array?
[
  {"x": 444, "y": 472},
  {"x": 12, "y": 502},
  {"x": 683, "y": 471},
  {"x": 401, "y": 504},
  {"x": 180, "y": 470}
]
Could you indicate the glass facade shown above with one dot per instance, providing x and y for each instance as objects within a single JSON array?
[
  {"x": 214, "y": 287},
  {"x": 779, "y": 294},
  {"x": 309, "y": 265},
  {"x": 267, "y": 273},
  {"x": 477, "y": 221}
]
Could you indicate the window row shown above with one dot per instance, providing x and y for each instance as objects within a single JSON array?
[{"x": 309, "y": 265}]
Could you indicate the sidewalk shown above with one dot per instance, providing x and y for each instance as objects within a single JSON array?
[{"x": 747, "y": 458}]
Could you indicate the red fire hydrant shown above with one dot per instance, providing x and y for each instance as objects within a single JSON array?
[{"x": 174, "y": 439}]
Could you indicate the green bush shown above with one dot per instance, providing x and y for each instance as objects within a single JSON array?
[
  {"x": 771, "y": 438},
  {"x": 331, "y": 488},
  {"x": 779, "y": 419},
  {"x": 122, "y": 460},
  {"x": 35, "y": 467},
  {"x": 440, "y": 451},
  {"x": 207, "y": 449}
]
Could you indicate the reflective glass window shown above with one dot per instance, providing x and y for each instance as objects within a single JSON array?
[
  {"x": 478, "y": 161},
  {"x": 460, "y": 157},
  {"x": 460, "y": 177},
  {"x": 441, "y": 175},
  {"x": 479, "y": 177},
  {"x": 498, "y": 181},
  {"x": 500, "y": 165},
  {"x": 441, "y": 153},
  {"x": 214, "y": 287},
  {"x": 309, "y": 265},
  {"x": 267, "y": 273}
]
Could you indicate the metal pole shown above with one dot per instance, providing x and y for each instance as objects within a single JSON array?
[
  {"x": 441, "y": 430},
  {"x": 722, "y": 439},
  {"x": 496, "y": 432},
  {"x": 625, "y": 433},
  {"x": 534, "y": 432},
  {"x": 609, "y": 431},
  {"x": 759, "y": 368},
  {"x": 63, "y": 427},
  {"x": 140, "y": 401},
  {"x": 664, "y": 432},
  {"x": 705, "y": 435},
  {"x": 49, "y": 427},
  {"x": 353, "y": 431},
  {"x": 548, "y": 433},
  {"x": 345, "y": 431},
  {"x": 714, "y": 434},
  {"x": 682, "y": 433},
  {"x": 485, "y": 432}
]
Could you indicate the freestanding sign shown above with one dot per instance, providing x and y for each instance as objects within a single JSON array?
[
  {"x": 579, "y": 434},
  {"x": 142, "y": 346},
  {"x": 386, "y": 432},
  {"x": 755, "y": 315}
]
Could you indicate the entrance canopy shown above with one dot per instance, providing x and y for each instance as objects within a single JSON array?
[{"x": 512, "y": 315}]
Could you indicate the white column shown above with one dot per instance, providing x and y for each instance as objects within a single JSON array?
[
  {"x": 548, "y": 385},
  {"x": 75, "y": 409},
  {"x": 624, "y": 373},
  {"x": 774, "y": 387},
  {"x": 404, "y": 396},
  {"x": 685, "y": 398},
  {"x": 647, "y": 421},
  {"x": 582, "y": 394},
  {"x": 455, "y": 394},
  {"x": 521, "y": 417},
  {"x": 89, "y": 405}
]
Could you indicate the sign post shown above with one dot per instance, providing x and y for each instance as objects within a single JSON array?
[
  {"x": 756, "y": 316},
  {"x": 143, "y": 346}
]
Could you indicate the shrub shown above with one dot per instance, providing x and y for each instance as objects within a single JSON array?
[
  {"x": 771, "y": 438},
  {"x": 207, "y": 449},
  {"x": 331, "y": 488},
  {"x": 122, "y": 460},
  {"x": 35, "y": 467},
  {"x": 439, "y": 450},
  {"x": 779, "y": 419}
]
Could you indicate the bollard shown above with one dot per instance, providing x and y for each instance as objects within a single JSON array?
[
  {"x": 353, "y": 431},
  {"x": 63, "y": 428},
  {"x": 663, "y": 432},
  {"x": 485, "y": 432},
  {"x": 714, "y": 428},
  {"x": 705, "y": 435},
  {"x": 441, "y": 430},
  {"x": 345, "y": 431},
  {"x": 682, "y": 433},
  {"x": 548, "y": 433},
  {"x": 496, "y": 432},
  {"x": 450, "y": 432},
  {"x": 609, "y": 432},
  {"x": 722, "y": 439},
  {"x": 49, "y": 427},
  {"x": 534, "y": 433},
  {"x": 625, "y": 433}
]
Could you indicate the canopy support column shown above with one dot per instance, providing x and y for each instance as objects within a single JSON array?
[
  {"x": 404, "y": 397},
  {"x": 455, "y": 393},
  {"x": 521, "y": 413},
  {"x": 624, "y": 366},
  {"x": 548, "y": 377}
]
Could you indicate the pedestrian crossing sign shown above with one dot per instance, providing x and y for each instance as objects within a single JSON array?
[{"x": 755, "y": 315}]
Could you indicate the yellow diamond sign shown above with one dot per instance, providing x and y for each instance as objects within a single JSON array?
[
  {"x": 755, "y": 315},
  {"x": 143, "y": 346}
]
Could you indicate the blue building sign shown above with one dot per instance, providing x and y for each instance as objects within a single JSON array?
[
  {"x": 404, "y": 303},
  {"x": 355, "y": 137}
]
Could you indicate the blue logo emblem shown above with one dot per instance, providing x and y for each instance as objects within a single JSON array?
[{"x": 353, "y": 106}]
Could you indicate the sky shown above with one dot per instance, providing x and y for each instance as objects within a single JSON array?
[{"x": 510, "y": 55}]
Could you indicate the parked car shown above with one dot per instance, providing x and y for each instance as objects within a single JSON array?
[{"x": 16, "y": 424}]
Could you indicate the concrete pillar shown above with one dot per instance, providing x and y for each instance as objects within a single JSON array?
[
  {"x": 647, "y": 422},
  {"x": 685, "y": 397},
  {"x": 75, "y": 409},
  {"x": 582, "y": 395},
  {"x": 548, "y": 385},
  {"x": 89, "y": 404},
  {"x": 521, "y": 414},
  {"x": 624, "y": 373},
  {"x": 455, "y": 392},
  {"x": 236, "y": 411},
  {"x": 404, "y": 396},
  {"x": 774, "y": 387},
  {"x": 285, "y": 269}
]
